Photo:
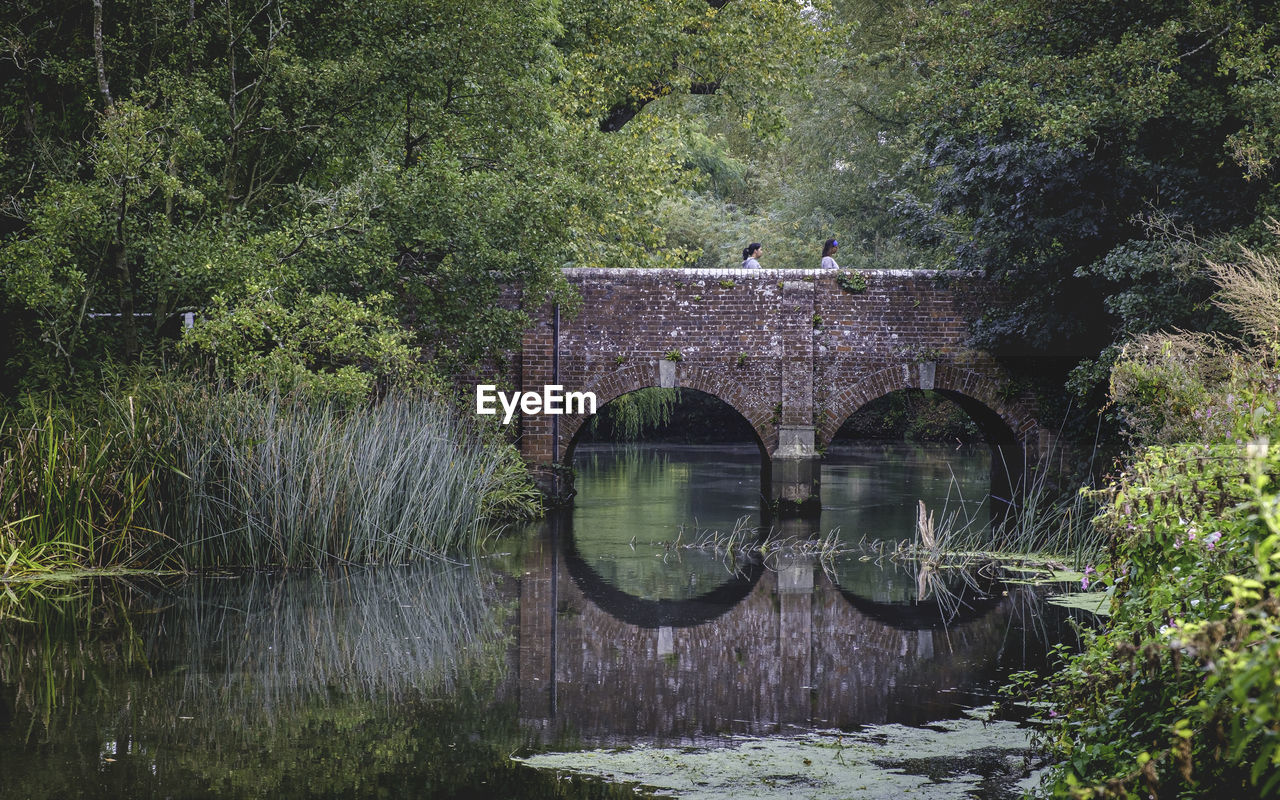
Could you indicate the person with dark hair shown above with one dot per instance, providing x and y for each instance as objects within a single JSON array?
[
  {"x": 750, "y": 255},
  {"x": 829, "y": 248}
]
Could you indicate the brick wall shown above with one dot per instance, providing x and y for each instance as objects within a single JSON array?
[{"x": 782, "y": 347}]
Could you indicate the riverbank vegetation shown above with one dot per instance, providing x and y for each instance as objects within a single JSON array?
[
  {"x": 181, "y": 475},
  {"x": 1177, "y": 694}
]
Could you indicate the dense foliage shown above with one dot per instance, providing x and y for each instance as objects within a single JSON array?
[
  {"x": 831, "y": 172},
  {"x": 331, "y": 187},
  {"x": 1089, "y": 157},
  {"x": 1177, "y": 694}
]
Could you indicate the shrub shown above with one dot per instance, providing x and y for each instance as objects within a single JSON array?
[
  {"x": 851, "y": 281},
  {"x": 1178, "y": 695}
]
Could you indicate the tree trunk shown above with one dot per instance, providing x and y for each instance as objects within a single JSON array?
[{"x": 98, "y": 57}]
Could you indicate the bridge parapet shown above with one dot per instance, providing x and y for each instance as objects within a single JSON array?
[{"x": 790, "y": 350}]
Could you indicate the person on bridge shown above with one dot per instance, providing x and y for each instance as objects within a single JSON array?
[
  {"x": 750, "y": 254},
  {"x": 829, "y": 248}
]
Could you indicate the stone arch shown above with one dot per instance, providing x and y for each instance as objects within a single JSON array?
[
  {"x": 978, "y": 395},
  {"x": 625, "y": 380},
  {"x": 1009, "y": 425}
]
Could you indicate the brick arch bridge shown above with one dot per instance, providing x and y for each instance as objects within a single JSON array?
[{"x": 789, "y": 350}]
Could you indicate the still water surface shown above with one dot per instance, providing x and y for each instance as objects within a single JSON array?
[{"x": 583, "y": 638}]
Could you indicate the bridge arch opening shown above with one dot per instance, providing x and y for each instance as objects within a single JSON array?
[
  {"x": 679, "y": 453},
  {"x": 655, "y": 470},
  {"x": 657, "y": 416},
  {"x": 945, "y": 420}
]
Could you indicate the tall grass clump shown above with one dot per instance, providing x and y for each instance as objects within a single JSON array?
[
  {"x": 258, "y": 477},
  {"x": 1043, "y": 520},
  {"x": 73, "y": 483},
  {"x": 1052, "y": 521}
]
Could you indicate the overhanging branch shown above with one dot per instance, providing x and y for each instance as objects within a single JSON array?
[{"x": 622, "y": 113}]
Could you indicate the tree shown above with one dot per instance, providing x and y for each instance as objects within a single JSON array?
[
  {"x": 623, "y": 56},
  {"x": 832, "y": 170},
  {"x": 1088, "y": 157},
  {"x": 404, "y": 165}
]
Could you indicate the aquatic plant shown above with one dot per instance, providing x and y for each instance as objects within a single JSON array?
[
  {"x": 1043, "y": 519},
  {"x": 72, "y": 483},
  {"x": 178, "y": 474},
  {"x": 873, "y": 761},
  {"x": 746, "y": 542},
  {"x": 262, "y": 478}
]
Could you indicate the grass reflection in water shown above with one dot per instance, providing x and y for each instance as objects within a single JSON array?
[{"x": 304, "y": 685}]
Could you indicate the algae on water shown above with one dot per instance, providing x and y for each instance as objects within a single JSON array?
[{"x": 947, "y": 759}]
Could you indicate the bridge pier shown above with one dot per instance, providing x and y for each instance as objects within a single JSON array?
[
  {"x": 795, "y": 469},
  {"x": 795, "y": 465}
]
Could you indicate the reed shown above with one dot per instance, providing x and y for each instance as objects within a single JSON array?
[
  {"x": 1043, "y": 520},
  {"x": 178, "y": 475},
  {"x": 72, "y": 486},
  {"x": 260, "y": 478},
  {"x": 748, "y": 543}
]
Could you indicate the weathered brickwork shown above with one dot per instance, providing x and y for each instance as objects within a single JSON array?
[{"x": 785, "y": 348}]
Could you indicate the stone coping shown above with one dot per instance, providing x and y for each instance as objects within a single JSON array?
[{"x": 737, "y": 272}]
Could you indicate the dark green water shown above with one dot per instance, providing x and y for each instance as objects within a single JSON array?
[{"x": 589, "y": 630}]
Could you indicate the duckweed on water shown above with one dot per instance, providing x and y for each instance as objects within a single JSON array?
[{"x": 949, "y": 759}]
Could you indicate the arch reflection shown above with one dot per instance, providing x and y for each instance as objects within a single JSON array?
[
  {"x": 795, "y": 650},
  {"x": 654, "y": 612}
]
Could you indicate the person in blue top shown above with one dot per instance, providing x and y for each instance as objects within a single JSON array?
[
  {"x": 829, "y": 248},
  {"x": 750, "y": 255}
]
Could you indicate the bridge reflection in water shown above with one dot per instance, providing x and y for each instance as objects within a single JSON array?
[{"x": 766, "y": 651}]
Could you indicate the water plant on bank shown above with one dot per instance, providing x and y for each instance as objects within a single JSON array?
[
  {"x": 263, "y": 478},
  {"x": 1045, "y": 521},
  {"x": 72, "y": 485},
  {"x": 747, "y": 542},
  {"x": 189, "y": 475}
]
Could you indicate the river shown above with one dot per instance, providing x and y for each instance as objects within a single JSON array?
[{"x": 609, "y": 646}]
